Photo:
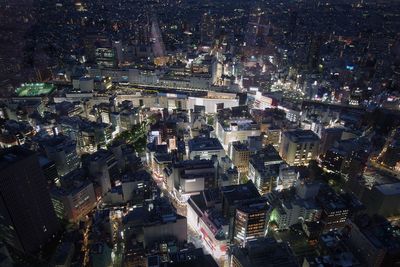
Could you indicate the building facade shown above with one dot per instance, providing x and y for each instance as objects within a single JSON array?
[
  {"x": 27, "y": 220},
  {"x": 298, "y": 147}
]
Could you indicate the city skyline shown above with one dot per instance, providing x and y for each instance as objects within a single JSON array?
[{"x": 252, "y": 133}]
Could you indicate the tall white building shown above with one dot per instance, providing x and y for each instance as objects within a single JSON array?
[
  {"x": 298, "y": 147},
  {"x": 236, "y": 130}
]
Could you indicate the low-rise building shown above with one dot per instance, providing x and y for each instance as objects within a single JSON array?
[{"x": 205, "y": 148}]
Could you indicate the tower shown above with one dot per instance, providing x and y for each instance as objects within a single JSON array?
[{"x": 314, "y": 51}]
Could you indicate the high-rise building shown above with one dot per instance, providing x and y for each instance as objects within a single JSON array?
[
  {"x": 103, "y": 168},
  {"x": 86, "y": 84},
  {"x": 106, "y": 57},
  {"x": 62, "y": 151},
  {"x": 375, "y": 241},
  {"x": 257, "y": 29},
  {"x": 27, "y": 220},
  {"x": 287, "y": 177},
  {"x": 158, "y": 45},
  {"x": 128, "y": 118},
  {"x": 117, "y": 44},
  {"x": 74, "y": 198},
  {"x": 239, "y": 153},
  {"x": 328, "y": 137},
  {"x": 251, "y": 220},
  {"x": 314, "y": 51},
  {"x": 156, "y": 222},
  {"x": 296, "y": 205},
  {"x": 298, "y": 147},
  {"x": 233, "y": 195},
  {"x": 383, "y": 200},
  {"x": 334, "y": 210},
  {"x": 232, "y": 198},
  {"x": 49, "y": 170},
  {"x": 390, "y": 154},
  {"x": 207, "y": 29},
  {"x": 285, "y": 215},
  {"x": 264, "y": 169},
  {"x": 293, "y": 21},
  {"x": 273, "y": 136}
]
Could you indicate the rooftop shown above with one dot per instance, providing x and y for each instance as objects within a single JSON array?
[
  {"x": 101, "y": 154},
  {"x": 330, "y": 201},
  {"x": 59, "y": 141},
  {"x": 72, "y": 183},
  {"x": 194, "y": 164},
  {"x": 163, "y": 157},
  {"x": 240, "y": 192},
  {"x": 264, "y": 252},
  {"x": 12, "y": 155},
  {"x": 301, "y": 136},
  {"x": 201, "y": 144},
  {"x": 240, "y": 146},
  {"x": 255, "y": 205},
  {"x": 267, "y": 156},
  {"x": 389, "y": 189},
  {"x": 141, "y": 175},
  {"x": 379, "y": 232},
  {"x": 62, "y": 253}
]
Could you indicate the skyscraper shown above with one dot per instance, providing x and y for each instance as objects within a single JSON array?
[
  {"x": 27, "y": 217},
  {"x": 314, "y": 51},
  {"x": 207, "y": 29},
  {"x": 157, "y": 42}
]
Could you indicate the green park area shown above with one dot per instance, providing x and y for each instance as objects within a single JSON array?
[
  {"x": 34, "y": 89},
  {"x": 135, "y": 136}
]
